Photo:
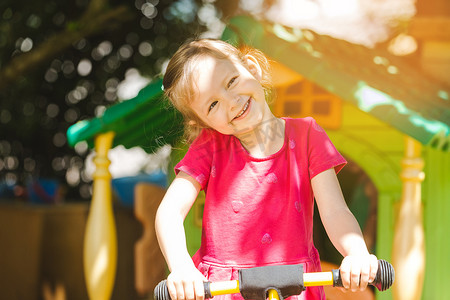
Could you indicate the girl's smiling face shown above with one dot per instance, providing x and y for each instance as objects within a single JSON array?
[{"x": 228, "y": 95}]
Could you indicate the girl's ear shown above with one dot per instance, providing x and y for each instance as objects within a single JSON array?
[{"x": 253, "y": 66}]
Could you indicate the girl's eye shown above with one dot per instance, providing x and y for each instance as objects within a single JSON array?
[
  {"x": 212, "y": 106},
  {"x": 231, "y": 81}
]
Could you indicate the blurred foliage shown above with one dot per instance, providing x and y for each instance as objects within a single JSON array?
[{"x": 62, "y": 61}]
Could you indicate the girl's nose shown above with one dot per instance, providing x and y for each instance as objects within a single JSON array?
[{"x": 234, "y": 102}]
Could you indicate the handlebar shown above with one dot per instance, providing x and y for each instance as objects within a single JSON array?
[{"x": 383, "y": 281}]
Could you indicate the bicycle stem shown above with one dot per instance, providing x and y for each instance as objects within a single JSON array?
[{"x": 232, "y": 286}]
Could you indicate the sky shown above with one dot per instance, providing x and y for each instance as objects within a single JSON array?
[{"x": 364, "y": 22}]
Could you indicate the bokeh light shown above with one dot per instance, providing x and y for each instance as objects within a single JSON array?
[
  {"x": 84, "y": 67},
  {"x": 26, "y": 45},
  {"x": 145, "y": 48},
  {"x": 5, "y": 116},
  {"x": 52, "y": 110}
]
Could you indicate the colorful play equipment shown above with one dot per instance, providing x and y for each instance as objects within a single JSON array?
[{"x": 379, "y": 111}]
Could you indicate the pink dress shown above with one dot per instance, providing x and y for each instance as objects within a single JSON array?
[{"x": 259, "y": 211}]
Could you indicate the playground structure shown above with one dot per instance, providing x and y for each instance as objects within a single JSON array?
[{"x": 376, "y": 109}]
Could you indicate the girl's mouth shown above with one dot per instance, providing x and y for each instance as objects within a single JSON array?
[{"x": 244, "y": 111}]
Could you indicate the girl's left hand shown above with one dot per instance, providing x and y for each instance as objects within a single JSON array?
[{"x": 357, "y": 271}]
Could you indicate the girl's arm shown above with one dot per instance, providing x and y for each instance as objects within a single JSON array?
[
  {"x": 358, "y": 267},
  {"x": 184, "y": 281}
]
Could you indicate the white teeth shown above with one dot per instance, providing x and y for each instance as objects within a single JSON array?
[{"x": 243, "y": 110}]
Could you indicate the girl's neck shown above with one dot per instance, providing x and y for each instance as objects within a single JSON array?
[{"x": 266, "y": 139}]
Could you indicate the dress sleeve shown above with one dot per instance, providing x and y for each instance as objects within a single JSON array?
[
  {"x": 322, "y": 154},
  {"x": 197, "y": 161}
]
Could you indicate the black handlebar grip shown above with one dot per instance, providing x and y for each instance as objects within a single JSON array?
[
  {"x": 161, "y": 291},
  {"x": 207, "y": 289},
  {"x": 385, "y": 275},
  {"x": 383, "y": 280}
]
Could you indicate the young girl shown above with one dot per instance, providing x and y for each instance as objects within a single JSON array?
[{"x": 260, "y": 175}]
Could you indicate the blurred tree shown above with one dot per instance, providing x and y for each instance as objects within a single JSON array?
[{"x": 62, "y": 61}]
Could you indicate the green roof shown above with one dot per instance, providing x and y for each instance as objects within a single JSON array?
[
  {"x": 383, "y": 85},
  {"x": 146, "y": 121}
]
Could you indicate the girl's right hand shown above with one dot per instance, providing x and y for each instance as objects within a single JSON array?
[{"x": 186, "y": 284}]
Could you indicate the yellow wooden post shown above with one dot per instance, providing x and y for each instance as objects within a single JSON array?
[
  {"x": 100, "y": 241},
  {"x": 408, "y": 255}
]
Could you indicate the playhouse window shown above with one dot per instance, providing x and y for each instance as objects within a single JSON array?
[{"x": 304, "y": 98}]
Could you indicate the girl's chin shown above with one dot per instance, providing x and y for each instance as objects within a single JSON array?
[{"x": 248, "y": 128}]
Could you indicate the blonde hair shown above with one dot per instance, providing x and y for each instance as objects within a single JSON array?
[{"x": 179, "y": 84}]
